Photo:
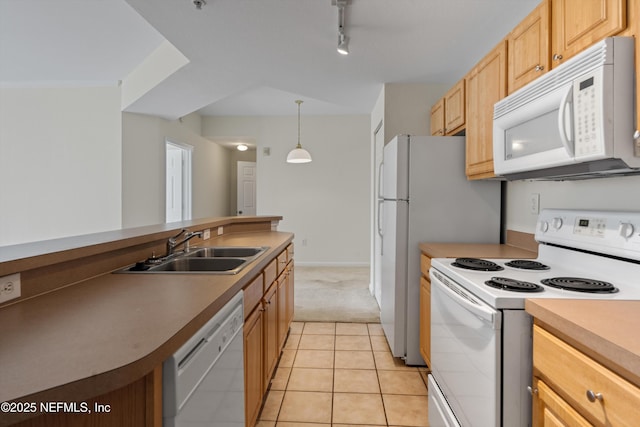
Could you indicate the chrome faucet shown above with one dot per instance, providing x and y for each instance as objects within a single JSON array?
[{"x": 172, "y": 243}]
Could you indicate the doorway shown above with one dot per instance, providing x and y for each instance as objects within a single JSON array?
[
  {"x": 246, "y": 191},
  {"x": 178, "y": 183}
]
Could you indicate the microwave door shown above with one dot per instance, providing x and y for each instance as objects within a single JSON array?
[{"x": 532, "y": 136}]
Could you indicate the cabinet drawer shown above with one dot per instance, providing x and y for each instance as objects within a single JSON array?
[
  {"x": 270, "y": 273},
  {"x": 253, "y": 294},
  {"x": 425, "y": 265},
  {"x": 572, "y": 374},
  {"x": 282, "y": 261}
]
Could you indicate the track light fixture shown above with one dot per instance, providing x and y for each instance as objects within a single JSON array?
[{"x": 343, "y": 40}]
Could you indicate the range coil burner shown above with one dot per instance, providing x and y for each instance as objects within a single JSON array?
[
  {"x": 513, "y": 285},
  {"x": 580, "y": 285},
  {"x": 476, "y": 264},
  {"x": 527, "y": 264}
]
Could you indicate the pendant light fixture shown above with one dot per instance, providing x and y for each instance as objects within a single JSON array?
[{"x": 298, "y": 154}]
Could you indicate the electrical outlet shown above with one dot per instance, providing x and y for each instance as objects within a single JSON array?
[
  {"x": 534, "y": 203},
  {"x": 10, "y": 287},
  {"x": 206, "y": 235},
  {"x": 220, "y": 230},
  {"x": 304, "y": 242}
]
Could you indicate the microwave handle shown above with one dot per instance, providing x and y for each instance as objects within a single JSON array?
[{"x": 566, "y": 142}]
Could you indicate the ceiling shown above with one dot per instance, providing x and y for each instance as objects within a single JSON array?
[{"x": 251, "y": 57}]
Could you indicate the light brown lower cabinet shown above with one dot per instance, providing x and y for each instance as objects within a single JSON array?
[
  {"x": 572, "y": 389},
  {"x": 253, "y": 365},
  {"x": 550, "y": 410},
  {"x": 265, "y": 331},
  {"x": 425, "y": 309},
  {"x": 270, "y": 328},
  {"x": 425, "y": 320},
  {"x": 138, "y": 404}
]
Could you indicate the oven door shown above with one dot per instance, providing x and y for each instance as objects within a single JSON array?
[{"x": 465, "y": 352}]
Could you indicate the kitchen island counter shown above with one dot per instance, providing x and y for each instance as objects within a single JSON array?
[
  {"x": 90, "y": 338},
  {"x": 607, "y": 331}
]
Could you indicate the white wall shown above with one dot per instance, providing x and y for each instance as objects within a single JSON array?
[
  {"x": 407, "y": 108},
  {"x": 622, "y": 193},
  {"x": 325, "y": 202},
  {"x": 60, "y": 159},
  {"x": 143, "y": 169}
]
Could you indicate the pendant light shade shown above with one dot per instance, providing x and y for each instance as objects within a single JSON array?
[{"x": 298, "y": 154}]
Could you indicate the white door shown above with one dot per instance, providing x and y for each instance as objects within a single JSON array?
[
  {"x": 246, "y": 188},
  {"x": 178, "y": 182}
]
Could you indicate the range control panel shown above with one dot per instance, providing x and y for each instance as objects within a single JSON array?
[{"x": 608, "y": 232}]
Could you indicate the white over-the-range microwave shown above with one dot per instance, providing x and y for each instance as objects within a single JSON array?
[{"x": 575, "y": 122}]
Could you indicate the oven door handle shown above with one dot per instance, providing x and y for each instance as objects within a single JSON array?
[{"x": 469, "y": 302}]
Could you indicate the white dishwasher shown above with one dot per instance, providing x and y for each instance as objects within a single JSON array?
[{"x": 203, "y": 382}]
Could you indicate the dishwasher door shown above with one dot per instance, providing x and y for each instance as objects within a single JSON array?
[{"x": 203, "y": 382}]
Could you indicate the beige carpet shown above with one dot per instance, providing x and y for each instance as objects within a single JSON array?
[{"x": 334, "y": 294}]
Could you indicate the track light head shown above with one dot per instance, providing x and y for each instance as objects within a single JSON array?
[
  {"x": 343, "y": 40},
  {"x": 343, "y": 44}
]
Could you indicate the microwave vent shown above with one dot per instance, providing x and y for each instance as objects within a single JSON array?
[{"x": 597, "y": 55}]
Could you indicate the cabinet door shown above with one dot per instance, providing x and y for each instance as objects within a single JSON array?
[
  {"x": 290, "y": 294},
  {"x": 550, "y": 410},
  {"x": 270, "y": 333},
  {"x": 283, "y": 327},
  {"x": 253, "y": 366},
  {"x": 486, "y": 85},
  {"x": 437, "y": 118},
  {"x": 577, "y": 24},
  {"x": 425, "y": 320},
  {"x": 529, "y": 47},
  {"x": 454, "y": 109}
]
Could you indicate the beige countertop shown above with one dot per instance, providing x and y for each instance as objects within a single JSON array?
[
  {"x": 607, "y": 331},
  {"x": 475, "y": 250},
  {"x": 103, "y": 333}
]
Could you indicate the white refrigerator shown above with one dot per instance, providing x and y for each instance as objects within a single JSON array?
[{"x": 425, "y": 196}]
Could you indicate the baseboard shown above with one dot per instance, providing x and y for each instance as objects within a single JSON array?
[{"x": 331, "y": 264}]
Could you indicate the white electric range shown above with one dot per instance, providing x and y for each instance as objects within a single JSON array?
[{"x": 480, "y": 334}]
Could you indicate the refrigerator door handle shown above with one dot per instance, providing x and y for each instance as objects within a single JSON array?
[
  {"x": 380, "y": 231},
  {"x": 380, "y": 167}
]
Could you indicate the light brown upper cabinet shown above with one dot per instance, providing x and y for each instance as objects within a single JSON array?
[
  {"x": 529, "y": 46},
  {"x": 577, "y": 24},
  {"x": 486, "y": 85},
  {"x": 437, "y": 118},
  {"x": 448, "y": 114},
  {"x": 454, "y": 109}
]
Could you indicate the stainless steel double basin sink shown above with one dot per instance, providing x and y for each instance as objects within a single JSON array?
[{"x": 210, "y": 260}]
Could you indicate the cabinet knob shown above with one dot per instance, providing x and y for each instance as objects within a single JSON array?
[
  {"x": 532, "y": 391},
  {"x": 557, "y": 57},
  {"x": 539, "y": 67},
  {"x": 594, "y": 396},
  {"x": 636, "y": 135}
]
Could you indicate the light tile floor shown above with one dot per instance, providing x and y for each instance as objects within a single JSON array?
[{"x": 343, "y": 374}]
